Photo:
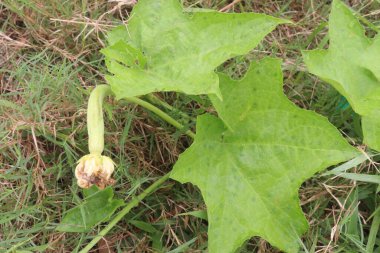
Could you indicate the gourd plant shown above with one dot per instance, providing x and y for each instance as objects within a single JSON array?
[{"x": 250, "y": 159}]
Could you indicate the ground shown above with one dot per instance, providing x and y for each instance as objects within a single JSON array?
[{"x": 49, "y": 62}]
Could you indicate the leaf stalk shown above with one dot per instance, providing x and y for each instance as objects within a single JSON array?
[{"x": 160, "y": 113}]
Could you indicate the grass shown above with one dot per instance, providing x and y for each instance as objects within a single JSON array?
[{"x": 50, "y": 60}]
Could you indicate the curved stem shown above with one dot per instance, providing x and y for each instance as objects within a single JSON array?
[
  {"x": 156, "y": 100},
  {"x": 160, "y": 113},
  {"x": 134, "y": 202},
  {"x": 95, "y": 121}
]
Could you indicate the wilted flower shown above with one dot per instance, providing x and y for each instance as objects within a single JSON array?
[{"x": 94, "y": 169}]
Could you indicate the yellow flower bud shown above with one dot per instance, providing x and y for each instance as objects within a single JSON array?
[{"x": 94, "y": 169}]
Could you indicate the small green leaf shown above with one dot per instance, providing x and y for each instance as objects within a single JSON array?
[
  {"x": 352, "y": 66},
  {"x": 97, "y": 207},
  {"x": 181, "y": 49},
  {"x": 250, "y": 172},
  {"x": 125, "y": 54},
  {"x": 90, "y": 191}
]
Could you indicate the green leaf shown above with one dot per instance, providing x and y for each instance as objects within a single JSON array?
[
  {"x": 97, "y": 207},
  {"x": 352, "y": 66},
  {"x": 250, "y": 172},
  {"x": 90, "y": 191},
  {"x": 165, "y": 48}
]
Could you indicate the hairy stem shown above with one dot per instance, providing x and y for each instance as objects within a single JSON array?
[
  {"x": 133, "y": 203},
  {"x": 160, "y": 113}
]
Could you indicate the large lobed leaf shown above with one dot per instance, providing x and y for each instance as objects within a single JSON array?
[
  {"x": 352, "y": 66},
  {"x": 164, "y": 48},
  {"x": 250, "y": 172}
]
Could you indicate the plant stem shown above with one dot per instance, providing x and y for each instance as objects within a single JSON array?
[
  {"x": 133, "y": 203},
  {"x": 156, "y": 100},
  {"x": 160, "y": 113},
  {"x": 373, "y": 232},
  {"x": 95, "y": 121}
]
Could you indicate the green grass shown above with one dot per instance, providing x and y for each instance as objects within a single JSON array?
[{"x": 51, "y": 61}]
